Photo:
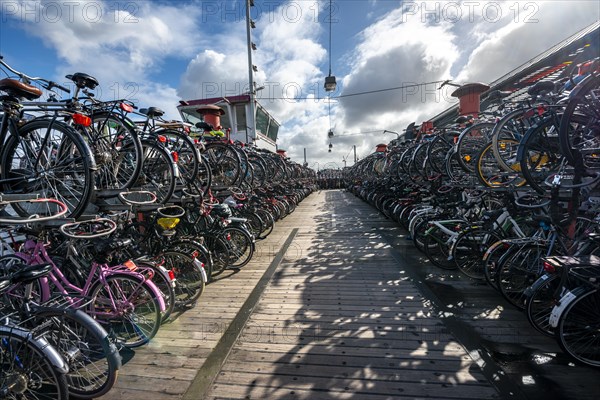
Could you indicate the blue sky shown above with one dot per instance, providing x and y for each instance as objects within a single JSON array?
[{"x": 157, "y": 52}]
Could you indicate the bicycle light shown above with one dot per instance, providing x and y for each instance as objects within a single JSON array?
[{"x": 82, "y": 120}]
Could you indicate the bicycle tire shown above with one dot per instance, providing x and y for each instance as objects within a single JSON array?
[
  {"x": 25, "y": 360},
  {"x": 511, "y": 127},
  {"x": 241, "y": 246},
  {"x": 188, "y": 156},
  {"x": 159, "y": 174},
  {"x": 540, "y": 303},
  {"x": 189, "y": 282},
  {"x": 48, "y": 158},
  {"x": 436, "y": 249},
  {"x": 539, "y": 154},
  {"x": 490, "y": 174},
  {"x": 579, "y": 125},
  {"x": 469, "y": 248},
  {"x": 224, "y": 163},
  {"x": 130, "y": 331},
  {"x": 268, "y": 223},
  {"x": 519, "y": 271},
  {"x": 162, "y": 280},
  {"x": 118, "y": 150},
  {"x": 470, "y": 142},
  {"x": 578, "y": 326},
  {"x": 93, "y": 359}
]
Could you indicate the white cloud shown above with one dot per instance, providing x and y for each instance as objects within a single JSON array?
[
  {"x": 514, "y": 44},
  {"x": 122, "y": 48}
]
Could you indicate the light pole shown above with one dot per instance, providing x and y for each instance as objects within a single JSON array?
[
  {"x": 252, "y": 91},
  {"x": 395, "y": 133}
]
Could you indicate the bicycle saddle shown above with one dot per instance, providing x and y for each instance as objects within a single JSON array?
[
  {"x": 539, "y": 87},
  {"x": 30, "y": 273},
  {"x": 205, "y": 126},
  {"x": 152, "y": 112},
  {"x": 83, "y": 80},
  {"x": 19, "y": 90}
]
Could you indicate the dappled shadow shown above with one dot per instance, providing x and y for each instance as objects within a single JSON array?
[{"x": 341, "y": 319}]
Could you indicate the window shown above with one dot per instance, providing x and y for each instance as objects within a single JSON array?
[
  {"x": 262, "y": 121},
  {"x": 240, "y": 114},
  {"x": 273, "y": 129}
]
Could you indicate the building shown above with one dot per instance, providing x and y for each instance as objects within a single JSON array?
[
  {"x": 550, "y": 65},
  {"x": 237, "y": 118}
]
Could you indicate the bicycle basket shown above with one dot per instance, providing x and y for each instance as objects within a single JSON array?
[{"x": 168, "y": 223}]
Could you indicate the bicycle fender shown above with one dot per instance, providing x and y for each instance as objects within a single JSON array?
[
  {"x": 42, "y": 345},
  {"x": 537, "y": 284},
  {"x": 565, "y": 300},
  {"x": 198, "y": 264}
]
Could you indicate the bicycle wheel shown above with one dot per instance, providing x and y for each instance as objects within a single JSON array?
[
  {"x": 539, "y": 154},
  {"x": 50, "y": 159},
  {"x": 469, "y": 248},
  {"x": 29, "y": 367},
  {"x": 512, "y": 127},
  {"x": 224, "y": 164},
  {"x": 254, "y": 222},
  {"x": 540, "y": 303},
  {"x": 158, "y": 171},
  {"x": 128, "y": 307},
  {"x": 117, "y": 150},
  {"x": 162, "y": 280},
  {"x": 470, "y": 142},
  {"x": 93, "y": 359},
  {"x": 418, "y": 234},
  {"x": 241, "y": 246},
  {"x": 188, "y": 157},
  {"x": 519, "y": 272},
  {"x": 490, "y": 174},
  {"x": 219, "y": 253},
  {"x": 580, "y": 125},
  {"x": 491, "y": 261},
  {"x": 437, "y": 248},
  {"x": 204, "y": 177},
  {"x": 577, "y": 330},
  {"x": 268, "y": 223},
  {"x": 189, "y": 280}
]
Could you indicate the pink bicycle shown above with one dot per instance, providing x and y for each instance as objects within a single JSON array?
[{"x": 119, "y": 297}]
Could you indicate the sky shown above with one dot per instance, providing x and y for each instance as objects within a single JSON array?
[{"x": 159, "y": 52}]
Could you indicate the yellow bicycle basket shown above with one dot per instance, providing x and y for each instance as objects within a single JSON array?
[{"x": 168, "y": 223}]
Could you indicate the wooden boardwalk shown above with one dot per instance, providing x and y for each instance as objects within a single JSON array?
[{"x": 348, "y": 311}]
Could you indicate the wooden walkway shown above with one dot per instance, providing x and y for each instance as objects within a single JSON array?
[{"x": 347, "y": 311}]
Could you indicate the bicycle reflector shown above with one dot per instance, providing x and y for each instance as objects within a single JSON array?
[
  {"x": 549, "y": 267},
  {"x": 126, "y": 107},
  {"x": 130, "y": 265},
  {"x": 171, "y": 274},
  {"x": 162, "y": 138},
  {"x": 82, "y": 120},
  {"x": 168, "y": 223},
  {"x": 175, "y": 156}
]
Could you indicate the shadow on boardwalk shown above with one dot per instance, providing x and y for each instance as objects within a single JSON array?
[{"x": 341, "y": 319}]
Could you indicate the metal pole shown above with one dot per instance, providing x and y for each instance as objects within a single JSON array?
[
  {"x": 252, "y": 117},
  {"x": 354, "y": 147},
  {"x": 305, "y": 156}
]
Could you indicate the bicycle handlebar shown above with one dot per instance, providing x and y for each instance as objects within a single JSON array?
[{"x": 48, "y": 84}]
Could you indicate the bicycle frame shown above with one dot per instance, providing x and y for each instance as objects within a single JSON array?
[{"x": 38, "y": 255}]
